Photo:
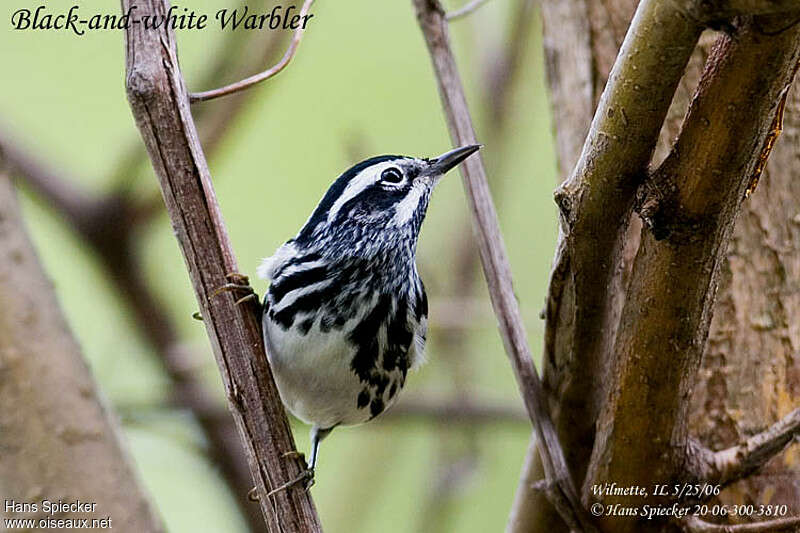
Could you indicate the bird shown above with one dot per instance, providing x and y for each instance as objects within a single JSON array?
[{"x": 345, "y": 316}]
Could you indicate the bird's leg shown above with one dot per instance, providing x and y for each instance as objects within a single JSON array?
[
  {"x": 306, "y": 477},
  {"x": 237, "y": 283},
  {"x": 317, "y": 434}
]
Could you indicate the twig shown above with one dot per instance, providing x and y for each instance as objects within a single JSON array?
[
  {"x": 696, "y": 525},
  {"x": 464, "y": 10},
  {"x": 737, "y": 462},
  {"x": 495, "y": 261},
  {"x": 258, "y": 78},
  {"x": 110, "y": 222},
  {"x": 235, "y": 58},
  {"x": 160, "y": 105}
]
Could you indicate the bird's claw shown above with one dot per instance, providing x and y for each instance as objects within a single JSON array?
[
  {"x": 294, "y": 454},
  {"x": 237, "y": 278},
  {"x": 238, "y": 283},
  {"x": 306, "y": 477}
]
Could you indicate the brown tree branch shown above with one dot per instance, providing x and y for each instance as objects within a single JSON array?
[
  {"x": 689, "y": 206},
  {"x": 262, "y": 76},
  {"x": 737, "y": 462},
  {"x": 696, "y": 525},
  {"x": 494, "y": 260},
  {"x": 58, "y": 439},
  {"x": 108, "y": 224},
  {"x": 234, "y": 59},
  {"x": 596, "y": 203},
  {"x": 570, "y": 76},
  {"x": 597, "y": 199},
  {"x": 160, "y": 105}
]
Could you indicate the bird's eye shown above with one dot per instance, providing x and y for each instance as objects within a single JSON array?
[{"x": 392, "y": 175}]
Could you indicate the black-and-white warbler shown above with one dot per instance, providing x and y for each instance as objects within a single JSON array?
[{"x": 345, "y": 316}]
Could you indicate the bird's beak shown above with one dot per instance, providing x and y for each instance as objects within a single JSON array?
[{"x": 448, "y": 160}]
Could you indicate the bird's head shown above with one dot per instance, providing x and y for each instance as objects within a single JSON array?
[{"x": 379, "y": 200}]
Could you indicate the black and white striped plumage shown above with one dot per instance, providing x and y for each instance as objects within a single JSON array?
[{"x": 345, "y": 316}]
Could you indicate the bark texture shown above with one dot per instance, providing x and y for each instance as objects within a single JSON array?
[
  {"x": 750, "y": 376},
  {"x": 578, "y": 65},
  {"x": 160, "y": 105},
  {"x": 57, "y": 440},
  {"x": 689, "y": 207}
]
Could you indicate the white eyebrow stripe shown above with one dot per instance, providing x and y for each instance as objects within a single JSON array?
[
  {"x": 364, "y": 179},
  {"x": 408, "y": 205}
]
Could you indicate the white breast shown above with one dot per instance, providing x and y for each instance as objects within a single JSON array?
[{"x": 313, "y": 374}]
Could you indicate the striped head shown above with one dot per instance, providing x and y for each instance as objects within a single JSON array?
[{"x": 379, "y": 202}]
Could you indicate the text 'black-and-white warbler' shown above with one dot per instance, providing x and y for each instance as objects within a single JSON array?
[{"x": 345, "y": 316}]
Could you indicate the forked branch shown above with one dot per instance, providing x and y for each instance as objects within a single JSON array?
[{"x": 737, "y": 462}]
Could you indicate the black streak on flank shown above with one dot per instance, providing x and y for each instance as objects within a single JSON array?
[
  {"x": 363, "y": 399},
  {"x": 307, "y": 258},
  {"x": 306, "y": 303},
  {"x": 305, "y": 325},
  {"x": 379, "y": 381},
  {"x": 365, "y": 338},
  {"x": 376, "y": 407},
  {"x": 399, "y": 337},
  {"x": 297, "y": 280},
  {"x": 421, "y": 305}
]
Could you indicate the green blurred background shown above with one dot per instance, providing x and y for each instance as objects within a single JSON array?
[{"x": 360, "y": 85}]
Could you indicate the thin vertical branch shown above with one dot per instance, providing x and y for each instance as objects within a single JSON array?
[
  {"x": 495, "y": 263},
  {"x": 160, "y": 105}
]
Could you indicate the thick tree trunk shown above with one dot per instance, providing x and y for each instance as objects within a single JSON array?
[
  {"x": 57, "y": 440},
  {"x": 751, "y": 373},
  {"x": 750, "y": 377}
]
